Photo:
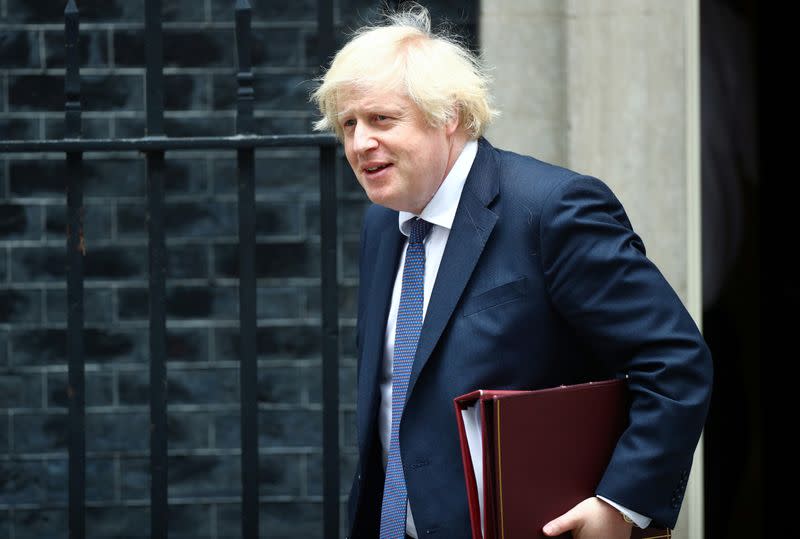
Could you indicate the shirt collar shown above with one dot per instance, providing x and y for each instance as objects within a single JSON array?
[{"x": 441, "y": 210}]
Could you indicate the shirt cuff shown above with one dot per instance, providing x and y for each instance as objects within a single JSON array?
[{"x": 641, "y": 521}]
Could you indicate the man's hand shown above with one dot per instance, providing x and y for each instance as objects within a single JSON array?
[{"x": 591, "y": 519}]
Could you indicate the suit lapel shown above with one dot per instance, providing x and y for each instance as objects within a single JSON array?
[
  {"x": 380, "y": 295},
  {"x": 472, "y": 227}
]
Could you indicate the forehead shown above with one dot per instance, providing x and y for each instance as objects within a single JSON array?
[{"x": 355, "y": 99}]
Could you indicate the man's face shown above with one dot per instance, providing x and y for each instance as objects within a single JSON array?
[{"x": 398, "y": 158}]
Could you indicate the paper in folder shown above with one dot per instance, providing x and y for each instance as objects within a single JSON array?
[{"x": 530, "y": 456}]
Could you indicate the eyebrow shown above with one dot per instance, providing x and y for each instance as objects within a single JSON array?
[{"x": 378, "y": 109}]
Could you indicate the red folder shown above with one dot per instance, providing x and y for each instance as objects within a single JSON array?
[{"x": 541, "y": 453}]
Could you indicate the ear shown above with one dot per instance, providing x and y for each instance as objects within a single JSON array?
[{"x": 451, "y": 124}]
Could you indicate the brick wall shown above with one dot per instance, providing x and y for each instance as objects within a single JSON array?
[{"x": 202, "y": 286}]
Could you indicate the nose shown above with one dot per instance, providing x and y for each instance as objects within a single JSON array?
[{"x": 364, "y": 138}]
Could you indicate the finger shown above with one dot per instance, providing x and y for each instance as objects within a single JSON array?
[{"x": 564, "y": 523}]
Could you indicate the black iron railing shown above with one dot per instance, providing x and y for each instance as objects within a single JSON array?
[{"x": 154, "y": 146}]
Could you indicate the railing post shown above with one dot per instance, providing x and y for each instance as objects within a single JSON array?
[
  {"x": 75, "y": 252},
  {"x": 248, "y": 369},
  {"x": 330, "y": 314},
  {"x": 154, "y": 103}
]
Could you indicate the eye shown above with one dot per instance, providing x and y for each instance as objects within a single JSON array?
[
  {"x": 349, "y": 123},
  {"x": 381, "y": 117}
]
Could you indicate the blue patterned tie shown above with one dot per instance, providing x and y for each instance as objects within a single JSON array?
[{"x": 409, "y": 324}]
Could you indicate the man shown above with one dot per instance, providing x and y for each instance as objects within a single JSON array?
[{"x": 485, "y": 269}]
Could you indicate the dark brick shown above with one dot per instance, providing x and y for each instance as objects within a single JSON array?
[
  {"x": 182, "y": 219},
  {"x": 38, "y": 264},
  {"x": 90, "y": 11},
  {"x": 182, "y": 48},
  {"x": 39, "y": 433},
  {"x": 279, "y": 302},
  {"x": 350, "y": 438},
  {"x": 281, "y": 385},
  {"x": 135, "y": 473},
  {"x": 204, "y": 476},
  {"x": 348, "y": 184},
  {"x": 96, "y": 222},
  {"x": 299, "y": 123},
  {"x": 348, "y": 300},
  {"x": 98, "y": 92},
  {"x": 206, "y": 126},
  {"x": 349, "y": 217},
  {"x": 48, "y": 346},
  {"x": 187, "y": 262},
  {"x": 96, "y": 305},
  {"x": 347, "y": 341},
  {"x": 278, "y": 47},
  {"x": 206, "y": 386},
  {"x": 118, "y": 431},
  {"x": 18, "y": 129},
  {"x": 22, "y": 482},
  {"x": 279, "y": 475},
  {"x": 134, "y": 387},
  {"x": 185, "y": 176},
  {"x": 20, "y": 390},
  {"x": 20, "y": 306},
  {"x": 18, "y": 221},
  {"x": 183, "y": 303},
  {"x": 4, "y": 419},
  {"x": 131, "y": 220},
  {"x": 4, "y": 341},
  {"x": 187, "y": 344},
  {"x": 93, "y": 46},
  {"x": 190, "y": 522},
  {"x": 39, "y": 523},
  {"x": 347, "y": 385},
  {"x": 288, "y": 520},
  {"x": 189, "y": 430},
  {"x": 200, "y": 219},
  {"x": 54, "y": 128},
  {"x": 277, "y": 520},
  {"x": 182, "y": 11},
  {"x": 276, "y": 428},
  {"x": 291, "y": 176},
  {"x": 99, "y": 480},
  {"x": 99, "y": 389},
  {"x": 39, "y": 347},
  {"x": 277, "y": 219},
  {"x": 295, "y": 259},
  {"x": 290, "y": 342},
  {"x": 300, "y": 10},
  {"x": 351, "y": 252},
  {"x": 108, "y": 177},
  {"x": 115, "y": 263},
  {"x": 19, "y": 48},
  {"x": 117, "y": 521},
  {"x": 347, "y": 467},
  {"x": 129, "y": 127},
  {"x": 272, "y": 91},
  {"x": 186, "y": 92},
  {"x": 204, "y": 302}
]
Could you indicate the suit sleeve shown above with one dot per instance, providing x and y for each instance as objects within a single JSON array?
[{"x": 633, "y": 322}]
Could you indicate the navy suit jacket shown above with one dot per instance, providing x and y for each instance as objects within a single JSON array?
[{"x": 543, "y": 282}]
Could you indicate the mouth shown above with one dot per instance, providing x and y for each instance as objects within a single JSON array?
[{"x": 376, "y": 168}]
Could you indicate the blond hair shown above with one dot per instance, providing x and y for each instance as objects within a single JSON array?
[{"x": 439, "y": 74}]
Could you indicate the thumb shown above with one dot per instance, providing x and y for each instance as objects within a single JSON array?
[{"x": 564, "y": 523}]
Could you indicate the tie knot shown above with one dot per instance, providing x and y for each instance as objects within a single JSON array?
[{"x": 419, "y": 229}]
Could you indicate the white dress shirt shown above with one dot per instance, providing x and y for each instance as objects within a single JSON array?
[{"x": 440, "y": 212}]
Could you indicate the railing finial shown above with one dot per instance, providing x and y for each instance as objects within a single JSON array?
[{"x": 244, "y": 78}]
